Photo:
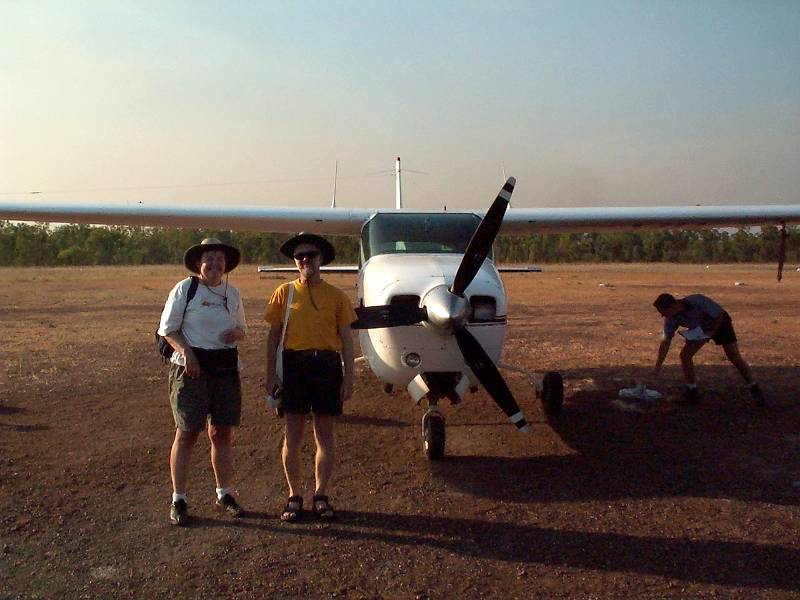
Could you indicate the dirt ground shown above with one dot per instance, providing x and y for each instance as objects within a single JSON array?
[{"x": 670, "y": 502}]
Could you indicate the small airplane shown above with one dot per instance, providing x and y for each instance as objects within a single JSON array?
[{"x": 432, "y": 311}]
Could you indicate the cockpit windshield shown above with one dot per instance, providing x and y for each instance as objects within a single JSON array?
[{"x": 418, "y": 233}]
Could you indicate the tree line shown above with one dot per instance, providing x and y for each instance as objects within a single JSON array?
[{"x": 39, "y": 244}]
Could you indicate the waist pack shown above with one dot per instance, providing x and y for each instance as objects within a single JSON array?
[
  {"x": 164, "y": 349},
  {"x": 223, "y": 361}
]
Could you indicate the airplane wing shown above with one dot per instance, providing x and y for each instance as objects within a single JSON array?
[
  {"x": 348, "y": 221},
  {"x": 344, "y": 221},
  {"x": 524, "y": 221}
]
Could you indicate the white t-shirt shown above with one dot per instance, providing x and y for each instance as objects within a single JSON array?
[{"x": 206, "y": 316}]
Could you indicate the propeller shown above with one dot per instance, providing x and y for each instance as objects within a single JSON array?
[
  {"x": 487, "y": 373},
  {"x": 389, "y": 315},
  {"x": 482, "y": 240},
  {"x": 446, "y": 309}
]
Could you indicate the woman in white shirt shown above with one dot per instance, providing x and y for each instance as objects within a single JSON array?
[{"x": 204, "y": 385}]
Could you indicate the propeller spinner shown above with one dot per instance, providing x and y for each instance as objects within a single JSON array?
[{"x": 445, "y": 310}]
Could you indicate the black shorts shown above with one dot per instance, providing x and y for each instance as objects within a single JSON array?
[
  {"x": 725, "y": 334},
  {"x": 312, "y": 381}
]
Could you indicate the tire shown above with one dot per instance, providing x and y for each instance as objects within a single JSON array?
[
  {"x": 433, "y": 436},
  {"x": 552, "y": 393}
]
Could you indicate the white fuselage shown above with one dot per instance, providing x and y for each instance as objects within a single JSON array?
[{"x": 387, "y": 276}]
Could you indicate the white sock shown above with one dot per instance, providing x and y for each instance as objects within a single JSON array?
[
  {"x": 176, "y": 496},
  {"x": 691, "y": 386},
  {"x": 222, "y": 491}
]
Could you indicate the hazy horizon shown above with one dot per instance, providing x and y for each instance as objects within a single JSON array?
[{"x": 587, "y": 104}]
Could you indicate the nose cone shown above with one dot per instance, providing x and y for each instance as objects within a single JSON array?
[{"x": 446, "y": 311}]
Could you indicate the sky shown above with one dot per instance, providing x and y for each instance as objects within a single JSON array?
[{"x": 587, "y": 103}]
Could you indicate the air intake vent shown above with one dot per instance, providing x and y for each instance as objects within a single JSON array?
[
  {"x": 484, "y": 309},
  {"x": 405, "y": 299}
]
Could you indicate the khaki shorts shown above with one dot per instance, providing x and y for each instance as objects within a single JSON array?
[{"x": 193, "y": 401}]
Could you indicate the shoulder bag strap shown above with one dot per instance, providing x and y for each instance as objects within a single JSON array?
[{"x": 286, "y": 316}]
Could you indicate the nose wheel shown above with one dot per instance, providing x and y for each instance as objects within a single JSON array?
[{"x": 433, "y": 433}]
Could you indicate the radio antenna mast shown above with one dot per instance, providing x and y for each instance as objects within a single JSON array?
[
  {"x": 398, "y": 185},
  {"x": 335, "y": 173}
]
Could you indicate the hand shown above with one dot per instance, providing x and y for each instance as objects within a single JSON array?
[
  {"x": 271, "y": 383},
  {"x": 192, "y": 366}
]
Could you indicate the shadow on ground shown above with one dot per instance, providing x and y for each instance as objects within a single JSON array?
[
  {"x": 667, "y": 451},
  {"x": 733, "y": 564}
]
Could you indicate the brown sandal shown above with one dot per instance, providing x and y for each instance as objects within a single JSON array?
[
  {"x": 322, "y": 508},
  {"x": 293, "y": 509}
]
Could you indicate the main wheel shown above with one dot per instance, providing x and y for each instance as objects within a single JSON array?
[
  {"x": 433, "y": 435},
  {"x": 552, "y": 393}
]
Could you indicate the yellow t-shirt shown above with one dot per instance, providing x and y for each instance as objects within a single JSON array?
[{"x": 314, "y": 318}]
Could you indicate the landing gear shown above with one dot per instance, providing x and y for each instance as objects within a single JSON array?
[
  {"x": 552, "y": 394},
  {"x": 433, "y": 433}
]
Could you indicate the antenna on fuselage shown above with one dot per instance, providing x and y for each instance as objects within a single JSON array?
[
  {"x": 398, "y": 195},
  {"x": 335, "y": 173}
]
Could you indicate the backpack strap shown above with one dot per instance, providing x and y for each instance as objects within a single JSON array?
[
  {"x": 192, "y": 288},
  {"x": 190, "y": 294}
]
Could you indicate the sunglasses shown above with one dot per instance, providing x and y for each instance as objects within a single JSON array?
[{"x": 311, "y": 254}]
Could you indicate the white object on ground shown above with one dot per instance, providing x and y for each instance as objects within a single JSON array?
[
  {"x": 639, "y": 392},
  {"x": 636, "y": 399}
]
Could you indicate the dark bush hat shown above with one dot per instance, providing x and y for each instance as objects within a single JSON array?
[
  {"x": 193, "y": 254},
  {"x": 304, "y": 237}
]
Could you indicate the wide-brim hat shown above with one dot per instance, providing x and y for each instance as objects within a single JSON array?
[
  {"x": 325, "y": 247},
  {"x": 193, "y": 254}
]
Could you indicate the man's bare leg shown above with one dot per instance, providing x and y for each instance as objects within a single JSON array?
[{"x": 291, "y": 454}]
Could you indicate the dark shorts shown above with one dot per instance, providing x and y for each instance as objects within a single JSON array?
[
  {"x": 312, "y": 381},
  {"x": 193, "y": 401},
  {"x": 725, "y": 334}
]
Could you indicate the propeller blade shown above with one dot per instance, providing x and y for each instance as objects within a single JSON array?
[
  {"x": 388, "y": 315},
  {"x": 486, "y": 371},
  {"x": 482, "y": 240}
]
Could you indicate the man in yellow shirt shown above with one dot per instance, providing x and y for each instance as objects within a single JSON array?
[{"x": 317, "y": 330}]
